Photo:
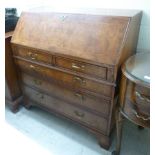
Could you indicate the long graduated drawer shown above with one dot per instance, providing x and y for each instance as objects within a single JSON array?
[
  {"x": 66, "y": 109},
  {"x": 94, "y": 103},
  {"x": 75, "y": 81}
]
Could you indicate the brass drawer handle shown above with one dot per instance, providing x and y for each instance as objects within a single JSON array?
[
  {"x": 79, "y": 96},
  {"x": 79, "y": 114},
  {"x": 142, "y": 97},
  {"x": 34, "y": 68},
  {"x": 141, "y": 117},
  {"x": 75, "y": 66},
  {"x": 31, "y": 66},
  {"x": 78, "y": 79},
  {"x": 33, "y": 56}
]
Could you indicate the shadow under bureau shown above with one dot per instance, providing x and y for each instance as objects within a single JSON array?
[{"x": 68, "y": 62}]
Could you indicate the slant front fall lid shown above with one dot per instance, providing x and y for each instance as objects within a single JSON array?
[{"x": 96, "y": 38}]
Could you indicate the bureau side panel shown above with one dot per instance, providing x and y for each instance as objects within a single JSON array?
[
  {"x": 10, "y": 73},
  {"x": 131, "y": 38}
]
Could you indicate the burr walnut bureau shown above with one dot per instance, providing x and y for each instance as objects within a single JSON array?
[{"x": 68, "y": 62}]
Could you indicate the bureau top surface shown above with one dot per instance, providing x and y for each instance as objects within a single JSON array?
[{"x": 94, "y": 37}]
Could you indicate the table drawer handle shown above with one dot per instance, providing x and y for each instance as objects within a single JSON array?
[
  {"x": 78, "y": 79},
  {"x": 142, "y": 97},
  {"x": 75, "y": 66},
  {"x": 141, "y": 117},
  {"x": 31, "y": 66},
  {"x": 79, "y": 96},
  {"x": 79, "y": 114},
  {"x": 33, "y": 56}
]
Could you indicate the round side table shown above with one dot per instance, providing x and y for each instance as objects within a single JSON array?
[{"x": 134, "y": 95}]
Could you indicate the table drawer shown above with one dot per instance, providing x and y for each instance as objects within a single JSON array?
[
  {"x": 142, "y": 99},
  {"x": 134, "y": 115},
  {"x": 83, "y": 99},
  {"x": 93, "y": 70},
  {"x": 142, "y": 92},
  {"x": 59, "y": 76},
  {"x": 139, "y": 97},
  {"x": 31, "y": 54},
  {"x": 66, "y": 109}
]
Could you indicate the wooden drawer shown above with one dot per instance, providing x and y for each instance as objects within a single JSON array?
[
  {"x": 142, "y": 99},
  {"x": 83, "y": 99},
  {"x": 139, "y": 96},
  {"x": 93, "y": 70},
  {"x": 32, "y": 54},
  {"x": 134, "y": 115},
  {"x": 66, "y": 109},
  {"x": 59, "y": 76},
  {"x": 142, "y": 92}
]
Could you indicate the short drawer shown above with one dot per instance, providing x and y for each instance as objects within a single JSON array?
[
  {"x": 59, "y": 76},
  {"x": 140, "y": 97},
  {"x": 142, "y": 91},
  {"x": 31, "y": 54},
  {"x": 134, "y": 114},
  {"x": 66, "y": 109},
  {"x": 83, "y": 99},
  {"x": 92, "y": 70}
]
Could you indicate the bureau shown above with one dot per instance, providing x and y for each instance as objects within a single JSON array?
[{"x": 68, "y": 62}]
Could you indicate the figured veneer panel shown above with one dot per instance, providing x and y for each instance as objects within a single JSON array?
[
  {"x": 77, "y": 66},
  {"x": 87, "y": 48},
  {"x": 32, "y": 54},
  {"x": 69, "y": 110},
  {"x": 75, "y": 81},
  {"x": 94, "y": 103}
]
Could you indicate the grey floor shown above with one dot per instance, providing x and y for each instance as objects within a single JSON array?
[{"x": 63, "y": 137}]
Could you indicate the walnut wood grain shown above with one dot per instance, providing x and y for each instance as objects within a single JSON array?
[
  {"x": 32, "y": 54},
  {"x": 67, "y": 109},
  {"x": 78, "y": 63},
  {"x": 12, "y": 88},
  {"x": 75, "y": 81},
  {"x": 77, "y": 66},
  {"x": 85, "y": 100}
]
